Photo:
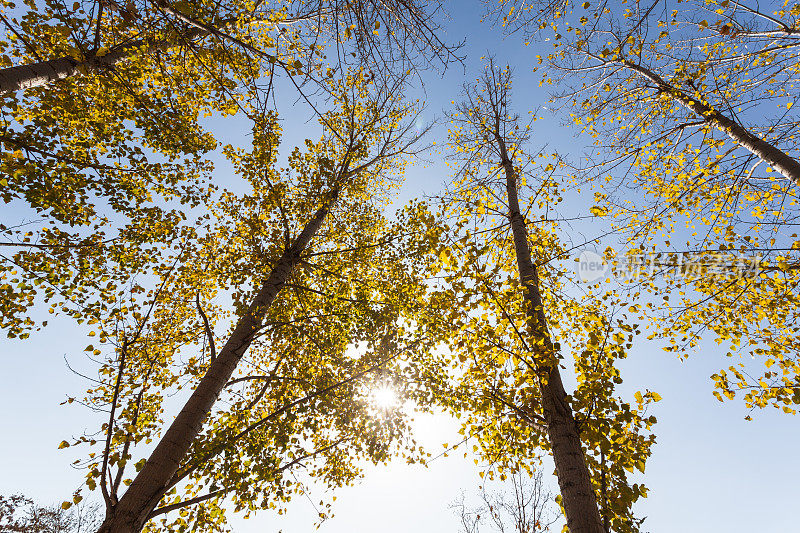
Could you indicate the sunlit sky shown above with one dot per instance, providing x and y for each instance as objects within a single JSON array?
[{"x": 710, "y": 471}]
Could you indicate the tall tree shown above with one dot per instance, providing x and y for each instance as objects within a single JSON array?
[
  {"x": 262, "y": 247},
  {"x": 106, "y": 149},
  {"x": 705, "y": 95},
  {"x": 98, "y": 36},
  {"x": 692, "y": 111},
  {"x": 511, "y": 317}
]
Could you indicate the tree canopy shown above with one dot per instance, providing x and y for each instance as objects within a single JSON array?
[{"x": 246, "y": 300}]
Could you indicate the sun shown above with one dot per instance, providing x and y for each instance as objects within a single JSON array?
[{"x": 384, "y": 397}]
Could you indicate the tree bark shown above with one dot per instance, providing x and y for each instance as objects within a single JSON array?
[
  {"x": 132, "y": 511},
  {"x": 786, "y": 165},
  {"x": 41, "y": 73},
  {"x": 577, "y": 493}
]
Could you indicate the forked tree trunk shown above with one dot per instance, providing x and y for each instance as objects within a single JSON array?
[
  {"x": 577, "y": 493},
  {"x": 785, "y": 164},
  {"x": 133, "y": 510}
]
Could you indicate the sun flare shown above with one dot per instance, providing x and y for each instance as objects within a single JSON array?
[{"x": 384, "y": 397}]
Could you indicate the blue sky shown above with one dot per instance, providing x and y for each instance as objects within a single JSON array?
[{"x": 710, "y": 471}]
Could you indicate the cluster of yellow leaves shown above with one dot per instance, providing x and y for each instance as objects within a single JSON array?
[{"x": 654, "y": 93}]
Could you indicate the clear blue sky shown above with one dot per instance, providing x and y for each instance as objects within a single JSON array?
[{"x": 711, "y": 470}]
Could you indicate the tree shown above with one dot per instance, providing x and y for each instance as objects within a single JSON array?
[
  {"x": 114, "y": 138},
  {"x": 692, "y": 112},
  {"x": 672, "y": 74},
  {"x": 98, "y": 37},
  {"x": 526, "y": 511},
  {"x": 18, "y": 513},
  {"x": 299, "y": 397},
  {"x": 105, "y": 141},
  {"x": 705, "y": 95},
  {"x": 509, "y": 316}
]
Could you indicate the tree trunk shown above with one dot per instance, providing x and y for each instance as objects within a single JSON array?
[
  {"x": 150, "y": 484},
  {"x": 41, "y": 73},
  {"x": 578, "y": 497},
  {"x": 37, "y": 74},
  {"x": 786, "y": 165}
]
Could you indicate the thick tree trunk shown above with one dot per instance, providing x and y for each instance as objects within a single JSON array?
[
  {"x": 150, "y": 484},
  {"x": 44, "y": 72},
  {"x": 786, "y": 165},
  {"x": 37, "y": 74},
  {"x": 578, "y": 497}
]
